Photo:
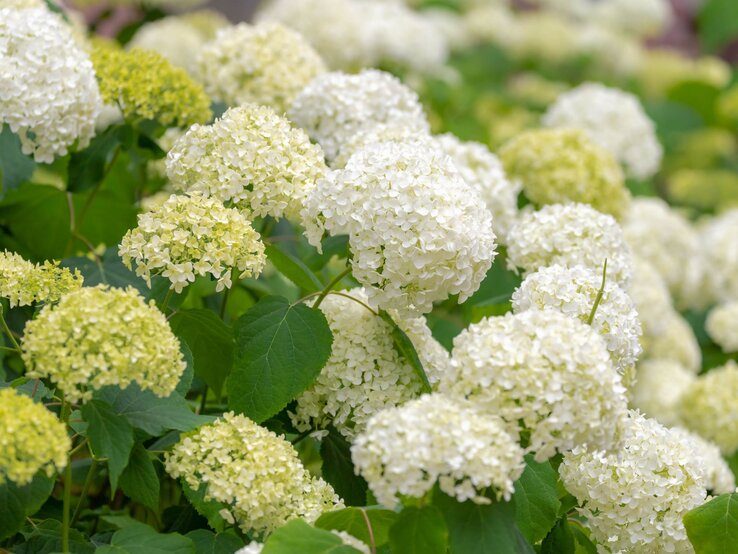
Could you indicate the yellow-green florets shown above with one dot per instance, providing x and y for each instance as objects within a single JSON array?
[
  {"x": 32, "y": 439},
  {"x": 24, "y": 283},
  {"x": 564, "y": 165},
  {"x": 103, "y": 336}
]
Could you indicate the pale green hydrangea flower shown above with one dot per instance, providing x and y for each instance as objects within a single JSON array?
[
  {"x": 24, "y": 283},
  {"x": 722, "y": 326}
]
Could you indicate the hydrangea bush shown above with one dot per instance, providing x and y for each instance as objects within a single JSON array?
[{"x": 433, "y": 277}]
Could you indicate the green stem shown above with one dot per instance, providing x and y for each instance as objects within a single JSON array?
[
  {"x": 226, "y": 294},
  {"x": 203, "y": 400},
  {"x": 165, "y": 303},
  {"x": 85, "y": 489},
  {"x": 600, "y": 292},
  {"x": 267, "y": 228},
  {"x": 98, "y": 186},
  {"x": 330, "y": 285},
  {"x": 8, "y": 332},
  {"x": 66, "y": 409}
]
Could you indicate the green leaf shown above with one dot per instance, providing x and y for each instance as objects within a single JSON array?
[
  {"x": 109, "y": 270},
  {"x": 280, "y": 350},
  {"x": 87, "y": 167},
  {"x": 713, "y": 527},
  {"x": 110, "y": 436},
  {"x": 209, "y": 509},
  {"x": 211, "y": 343},
  {"x": 358, "y": 521},
  {"x": 481, "y": 528},
  {"x": 406, "y": 349},
  {"x": 293, "y": 268},
  {"x": 17, "y": 503},
  {"x": 299, "y": 537},
  {"x": 419, "y": 531},
  {"x": 15, "y": 166},
  {"x": 718, "y": 23},
  {"x": 139, "y": 480},
  {"x": 207, "y": 542},
  {"x": 148, "y": 412},
  {"x": 338, "y": 469},
  {"x": 142, "y": 539},
  {"x": 536, "y": 500},
  {"x": 700, "y": 97},
  {"x": 46, "y": 538},
  {"x": 560, "y": 540}
]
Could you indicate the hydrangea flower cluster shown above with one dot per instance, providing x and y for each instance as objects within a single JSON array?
[
  {"x": 265, "y": 64},
  {"x": 406, "y": 450},
  {"x": 193, "y": 235},
  {"x": 722, "y": 326},
  {"x": 545, "y": 371},
  {"x": 569, "y": 235},
  {"x": 334, "y": 107},
  {"x": 365, "y": 373},
  {"x": 24, "y": 283},
  {"x": 615, "y": 120},
  {"x": 251, "y": 158},
  {"x": 651, "y": 297},
  {"x": 98, "y": 336},
  {"x": 573, "y": 291},
  {"x": 721, "y": 256},
  {"x": 634, "y": 499},
  {"x": 658, "y": 389},
  {"x": 708, "y": 407},
  {"x": 33, "y": 439},
  {"x": 718, "y": 477},
  {"x": 379, "y": 133},
  {"x": 144, "y": 85},
  {"x": 49, "y": 96},
  {"x": 565, "y": 165},
  {"x": 675, "y": 342},
  {"x": 254, "y": 472},
  {"x": 417, "y": 231}
]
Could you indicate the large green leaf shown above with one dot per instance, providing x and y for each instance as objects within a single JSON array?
[
  {"x": 713, "y": 527},
  {"x": 718, "y": 23},
  {"x": 209, "y": 509},
  {"x": 406, "y": 349},
  {"x": 15, "y": 166},
  {"x": 142, "y": 539},
  {"x": 536, "y": 500},
  {"x": 481, "y": 528},
  {"x": 108, "y": 270},
  {"x": 46, "y": 538},
  {"x": 207, "y": 542},
  {"x": 87, "y": 167},
  {"x": 369, "y": 525},
  {"x": 211, "y": 343},
  {"x": 338, "y": 469},
  {"x": 139, "y": 480},
  {"x": 17, "y": 503},
  {"x": 560, "y": 539},
  {"x": 110, "y": 436},
  {"x": 419, "y": 531},
  {"x": 293, "y": 268},
  {"x": 280, "y": 350},
  {"x": 299, "y": 537}
]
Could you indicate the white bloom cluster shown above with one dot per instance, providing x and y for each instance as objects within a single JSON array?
[
  {"x": 250, "y": 157},
  {"x": 718, "y": 477},
  {"x": 634, "y": 499},
  {"x": 676, "y": 342},
  {"x": 349, "y": 540},
  {"x": 365, "y": 374},
  {"x": 722, "y": 326},
  {"x": 396, "y": 132},
  {"x": 573, "y": 292},
  {"x": 615, "y": 120},
  {"x": 24, "y": 283},
  {"x": 406, "y": 450},
  {"x": 708, "y": 407},
  {"x": 254, "y": 472},
  {"x": 721, "y": 256},
  {"x": 658, "y": 389},
  {"x": 417, "y": 231},
  {"x": 569, "y": 234},
  {"x": 252, "y": 548},
  {"x": 266, "y": 64},
  {"x": 547, "y": 372},
  {"x": 665, "y": 238},
  {"x": 335, "y": 106},
  {"x": 49, "y": 96},
  {"x": 193, "y": 235},
  {"x": 481, "y": 169},
  {"x": 651, "y": 296}
]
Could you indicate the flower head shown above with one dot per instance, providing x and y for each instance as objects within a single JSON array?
[
  {"x": 722, "y": 326},
  {"x": 675, "y": 341},
  {"x": 658, "y": 387},
  {"x": 721, "y": 256},
  {"x": 98, "y": 336},
  {"x": 254, "y": 472},
  {"x": 33, "y": 439},
  {"x": 24, "y": 283},
  {"x": 407, "y": 449},
  {"x": 49, "y": 95},
  {"x": 719, "y": 478}
]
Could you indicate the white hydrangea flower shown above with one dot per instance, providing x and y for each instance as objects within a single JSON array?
[
  {"x": 418, "y": 233},
  {"x": 573, "y": 291},
  {"x": 718, "y": 243},
  {"x": 406, "y": 450},
  {"x": 365, "y": 374},
  {"x": 391, "y": 131},
  {"x": 265, "y": 64},
  {"x": 541, "y": 370},
  {"x": 634, "y": 499},
  {"x": 722, "y": 326},
  {"x": 615, "y": 120},
  {"x": 676, "y": 342},
  {"x": 49, "y": 96},
  {"x": 24, "y": 283},
  {"x": 252, "y": 548},
  {"x": 569, "y": 234},
  {"x": 658, "y": 387},
  {"x": 651, "y": 296},
  {"x": 193, "y": 235},
  {"x": 709, "y": 407},
  {"x": 719, "y": 479},
  {"x": 335, "y": 106},
  {"x": 663, "y": 237},
  {"x": 251, "y": 158},
  {"x": 349, "y": 540}
]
